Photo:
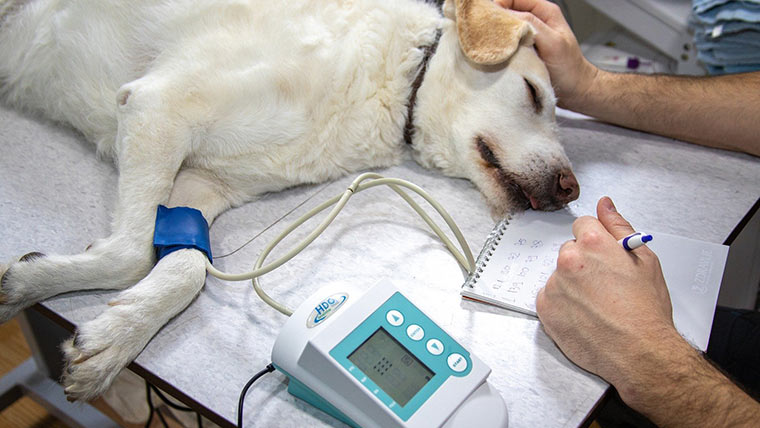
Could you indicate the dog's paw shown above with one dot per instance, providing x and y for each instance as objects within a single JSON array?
[
  {"x": 101, "y": 348},
  {"x": 13, "y": 295}
]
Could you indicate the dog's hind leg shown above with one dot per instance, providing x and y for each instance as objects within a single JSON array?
[
  {"x": 105, "y": 345},
  {"x": 152, "y": 142}
]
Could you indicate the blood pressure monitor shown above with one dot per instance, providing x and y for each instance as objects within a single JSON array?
[{"x": 373, "y": 359}]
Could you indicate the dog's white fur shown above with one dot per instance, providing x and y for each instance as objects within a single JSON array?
[{"x": 209, "y": 104}]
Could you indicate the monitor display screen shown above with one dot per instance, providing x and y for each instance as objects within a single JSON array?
[{"x": 391, "y": 366}]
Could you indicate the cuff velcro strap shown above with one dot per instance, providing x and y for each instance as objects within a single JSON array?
[{"x": 178, "y": 228}]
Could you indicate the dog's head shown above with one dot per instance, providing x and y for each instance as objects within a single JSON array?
[{"x": 485, "y": 111}]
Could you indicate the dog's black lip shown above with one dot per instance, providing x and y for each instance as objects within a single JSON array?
[{"x": 502, "y": 177}]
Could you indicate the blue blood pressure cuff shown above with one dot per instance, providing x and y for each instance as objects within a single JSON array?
[{"x": 178, "y": 228}]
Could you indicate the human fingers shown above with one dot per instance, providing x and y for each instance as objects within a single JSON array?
[
  {"x": 545, "y": 11},
  {"x": 608, "y": 216},
  {"x": 548, "y": 41},
  {"x": 540, "y": 26},
  {"x": 541, "y": 301},
  {"x": 588, "y": 230},
  {"x": 571, "y": 74}
]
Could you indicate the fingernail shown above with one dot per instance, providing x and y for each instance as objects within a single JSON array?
[{"x": 608, "y": 205}]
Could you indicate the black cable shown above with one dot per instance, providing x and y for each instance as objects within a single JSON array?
[
  {"x": 150, "y": 405},
  {"x": 161, "y": 416},
  {"x": 169, "y": 403},
  {"x": 269, "y": 369},
  {"x": 153, "y": 410}
]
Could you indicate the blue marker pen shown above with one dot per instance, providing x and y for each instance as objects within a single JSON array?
[{"x": 635, "y": 240}]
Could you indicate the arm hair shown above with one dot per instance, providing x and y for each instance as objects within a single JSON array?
[{"x": 715, "y": 111}]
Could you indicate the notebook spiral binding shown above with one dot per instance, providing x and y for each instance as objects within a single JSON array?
[{"x": 487, "y": 252}]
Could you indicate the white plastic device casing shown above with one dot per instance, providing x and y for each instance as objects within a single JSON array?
[{"x": 303, "y": 353}]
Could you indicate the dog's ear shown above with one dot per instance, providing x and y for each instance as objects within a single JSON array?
[{"x": 488, "y": 33}]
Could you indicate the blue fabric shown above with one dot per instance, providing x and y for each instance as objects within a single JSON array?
[
  {"x": 700, "y": 6},
  {"x": 744, "y": 38},
  {"x": 747, "y": 11},
  {"x": 727, "y": 35},
  {"x": 732, "y": 69},
  {"x": 729, "y": 53},
  {"x": 725, "y": 28},
  {"x": 178, "y": 228}
]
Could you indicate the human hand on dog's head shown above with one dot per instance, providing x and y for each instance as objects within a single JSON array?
[
  {"x": 604, "y": 306},
  {"x": 571, "y": 73}
]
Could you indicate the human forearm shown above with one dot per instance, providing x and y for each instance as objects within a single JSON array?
[
  {"x": 675, "y": 387},
  {"x": 609, "y": 311},
  {"x": 719, "y": 111}
]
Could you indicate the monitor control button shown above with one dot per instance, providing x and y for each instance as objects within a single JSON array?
[
  {"x": 415, "y": 332},
  {"x": 394, "y": 318},
  {"x": 435, "y": 347},
  {"x": 457, "y": 362}
]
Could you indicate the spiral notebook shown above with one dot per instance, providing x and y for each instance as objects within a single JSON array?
[{"x": 520, "y": 254}]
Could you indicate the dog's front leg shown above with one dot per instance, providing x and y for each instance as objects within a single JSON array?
[
  {"x": 153, "y": 140},
  {"x": 102, "y": 347},
  {"x": 105, "y": 345}
]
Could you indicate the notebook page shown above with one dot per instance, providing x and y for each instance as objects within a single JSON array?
[
  {"x": 525, "y": 256},
  {"x": 693, "y": 271},
  {"x": 523, "y": 260}
]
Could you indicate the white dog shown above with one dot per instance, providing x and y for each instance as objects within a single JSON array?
[{"x": 208, "y": 104}]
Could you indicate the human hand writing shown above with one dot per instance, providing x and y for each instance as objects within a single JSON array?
[{"x": 605, "y": 306}]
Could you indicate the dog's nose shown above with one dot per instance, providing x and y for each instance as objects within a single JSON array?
[{"x": 568, "y": 188}]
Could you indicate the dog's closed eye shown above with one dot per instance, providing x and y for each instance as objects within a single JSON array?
[
  {"x": 487, "y": 154},
  {"x": 534, "y": 96}
]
